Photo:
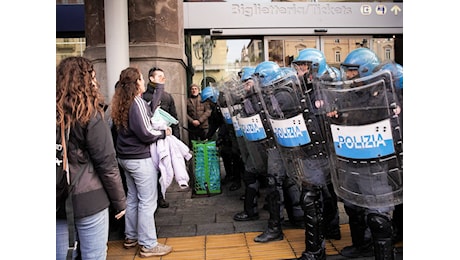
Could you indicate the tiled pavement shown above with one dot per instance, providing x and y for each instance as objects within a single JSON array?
[{"x": 201, "y": 227}]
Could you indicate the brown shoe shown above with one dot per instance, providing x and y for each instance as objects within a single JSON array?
[{"x": 158, "y": 250}]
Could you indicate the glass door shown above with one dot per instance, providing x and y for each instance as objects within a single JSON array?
[{"x": 217, "y": 60}]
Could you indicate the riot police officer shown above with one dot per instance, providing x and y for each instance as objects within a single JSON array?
[
  {"x": 266, "y": 73},
  {"x": 309, "y": 64},
  {"x": 240, "y": 109},
  {"x": 301, "y": 146},
  {"x": 397, "y": 73},
  {"x": 225, "y": 140},
  {"x": 364, "y": 128}
]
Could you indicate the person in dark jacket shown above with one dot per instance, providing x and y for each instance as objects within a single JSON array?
[
  {"x": 166, "y": 100},
  {"x": 370, "y": 191},
  {"x": 132, "y": 117},
  {"x": 168, "y": 105},
  {"x": 90, "y": 149},
  {"x": 198, "y": 114}
]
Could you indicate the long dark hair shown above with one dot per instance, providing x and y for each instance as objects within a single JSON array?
[
  {"x": 77, "y": 92},
  {"x": 126, "y": 90}
]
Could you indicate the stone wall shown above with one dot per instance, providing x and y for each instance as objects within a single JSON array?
[{"x": 156, "y": 38}]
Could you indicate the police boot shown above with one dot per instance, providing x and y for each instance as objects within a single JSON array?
[
  {"x": 360, "y": 246},
  {"x": 274, "y": 231},
  {"x": 355, "y": 251},
  {"x": 331, "y": 213},
  {"x": 383, "y": 249},
  {"x": 397, "y": 224},
  {"x": 313, "y": 218},
  {"x": 320, "y": 255},
  {"x": 382, "y": 232},
  {"x": 250, "y": 204}
]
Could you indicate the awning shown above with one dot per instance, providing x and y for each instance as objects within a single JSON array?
[{"x": 70, "y": 20}]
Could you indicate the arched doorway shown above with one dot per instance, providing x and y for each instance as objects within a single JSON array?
[{"x": 208, "y": 80}]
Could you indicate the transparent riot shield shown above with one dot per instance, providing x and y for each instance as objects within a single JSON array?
[
  {"x": 252, "y": 152},
  {"x": 227, "y": 112},
  {"x": 363, "y": 128},
  {"x": 296, "y": 129}
]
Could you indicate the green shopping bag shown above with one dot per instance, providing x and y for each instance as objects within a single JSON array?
[{"x": 206, "y": 167}]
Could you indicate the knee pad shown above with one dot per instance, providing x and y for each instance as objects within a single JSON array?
[
  {"x": 273, "y": 185},
  {"x": 380, "y": 225},
  {"x": 312, "y": 208},
  {"x": 309, "y": 198}
]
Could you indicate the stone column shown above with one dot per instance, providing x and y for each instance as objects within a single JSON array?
[
  {"x": 156, "y": 38},
  {"x": 116, "y": 41}
]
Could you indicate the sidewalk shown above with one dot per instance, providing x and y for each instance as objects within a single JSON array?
[
  {"x": 203, "y": 215},
  {"x": 196, "y": 225}
]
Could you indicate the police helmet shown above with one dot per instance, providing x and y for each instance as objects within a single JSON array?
[
  {"x": 399, "y": 76},
  {"x": 246, "y": 73},
  {"x": 268, "y": 72},
  {"x": 314, "y": 57},
  {"x": 397, "y": 72},
  {"x": 210, "y": 93},
  {"x": 288, "y": 70},
  {"x": 362, "y": 59}
]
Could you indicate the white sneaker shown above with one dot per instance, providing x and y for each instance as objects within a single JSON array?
[{"x": 159, "y": 250}]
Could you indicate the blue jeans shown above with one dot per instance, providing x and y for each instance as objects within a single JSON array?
[
  {"x": 141, "y": 179},
  {"x": 92, "y": 232}
]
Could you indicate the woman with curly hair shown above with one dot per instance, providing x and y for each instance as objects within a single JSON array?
[
  {"x": 131, "y": 116},
  {"x": 90, "y": 151}
]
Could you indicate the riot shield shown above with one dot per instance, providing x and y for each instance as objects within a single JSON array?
[
  {"x": 296, "y": 129},
  {"x": 365, "y": 139},
  {"x": 226, "y": 111},
  {"x": 252, "y": 152}
]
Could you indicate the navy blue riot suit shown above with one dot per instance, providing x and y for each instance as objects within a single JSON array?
[
  {"x": 311, "y": 63},
  {"x": 282, "y": 183},
  {"x": 301, "y": 147},
  {"x": 250, "y": 141},
  {"x": 275, "y": 172}
]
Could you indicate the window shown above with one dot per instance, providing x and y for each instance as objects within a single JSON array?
[
  {"x": 388, "y": 53},
  {"x": 337, "y": 56},
  {"x": 66, "y": 47}
]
